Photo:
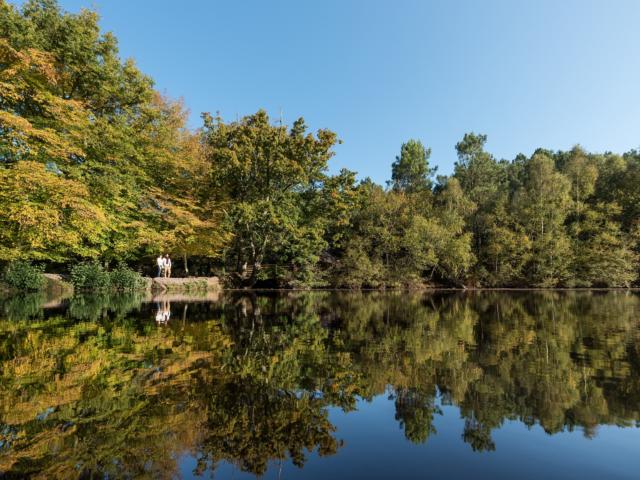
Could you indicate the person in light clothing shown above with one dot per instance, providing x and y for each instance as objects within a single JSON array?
[
  {"x": 167, "y": 266},
  {"x": 160, "y": 263}
]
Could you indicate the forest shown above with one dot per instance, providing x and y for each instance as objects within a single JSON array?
[{"x": 96, "y": 164}]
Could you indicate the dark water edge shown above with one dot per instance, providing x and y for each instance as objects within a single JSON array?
[{"x": 310, "y": 384}]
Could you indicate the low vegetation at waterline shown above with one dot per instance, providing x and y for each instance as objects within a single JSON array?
[
  {"x": 96, "y": 165},
  {"x": 87, "y": 276},
  {"x": 23, "y": 276},
  {"x": 93, "y": 277}
]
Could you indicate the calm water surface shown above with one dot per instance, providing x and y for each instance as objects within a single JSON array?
[{"x": 322, "y": 385}]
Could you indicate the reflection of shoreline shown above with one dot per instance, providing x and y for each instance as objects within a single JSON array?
[
  {"x": 55, "y": 299},
  {"x": 58, "y": 301},
  {"x": 183, "y": 297},
  {"x": 48, "y": 301}
]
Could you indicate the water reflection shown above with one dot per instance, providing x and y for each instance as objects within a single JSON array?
[
  {"x": 93, "y": 387},
  {"x": 163, "y": 312}
]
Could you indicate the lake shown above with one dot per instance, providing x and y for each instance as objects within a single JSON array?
[{"x": 318, "y": 385}]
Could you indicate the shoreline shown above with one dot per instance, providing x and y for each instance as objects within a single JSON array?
[
  {"x": 57, "y": 286},
  {"x": 437, "y": 289}
]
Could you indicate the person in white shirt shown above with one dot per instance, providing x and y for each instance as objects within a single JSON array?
[
  {"x": 167, "y": 266},
  {"x": 160, "y": 263}
]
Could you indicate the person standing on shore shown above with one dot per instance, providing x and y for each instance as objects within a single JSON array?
[
  {"x": 160, "y": 263},
  {"x": 167, "y": 266}
]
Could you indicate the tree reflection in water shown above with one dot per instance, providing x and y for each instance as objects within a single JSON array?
[{"x": 94, "y": 387}]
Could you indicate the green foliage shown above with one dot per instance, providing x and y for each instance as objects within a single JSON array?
[
  {"x": 123, "y": 278},
  {"x": 270, "y": 174},
  {"x": 603, "y": 255},
  {"x": 90, "y": 276},
  {"x": 93, "y": 162},
  {"x": 410, "y": 172},
  {"x": 22, "y": 275},
  {"x": 405, "y": 240},
  {"x": 97, "y": 165},
  {"x": 542, "y": 203}
]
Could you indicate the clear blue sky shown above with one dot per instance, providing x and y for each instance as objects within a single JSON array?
[{"x": 548, "y": 73}]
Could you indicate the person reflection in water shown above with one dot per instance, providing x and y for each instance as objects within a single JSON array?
[{"x": 164, "y": 312}]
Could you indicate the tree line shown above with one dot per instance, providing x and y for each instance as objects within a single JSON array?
[{"x": 96, "y": 164}]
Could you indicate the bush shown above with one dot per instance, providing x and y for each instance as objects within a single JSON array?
[
  {"x": 123, "y": 278},
  {"x": 24, "y": 276},
  {"x": 90, "y": 276}
]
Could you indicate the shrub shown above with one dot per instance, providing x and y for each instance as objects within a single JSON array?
[
  {"x": 24, "y": 276},
  {"x": 123, "y": 278},
  {"x": 90, "y": 276}
]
